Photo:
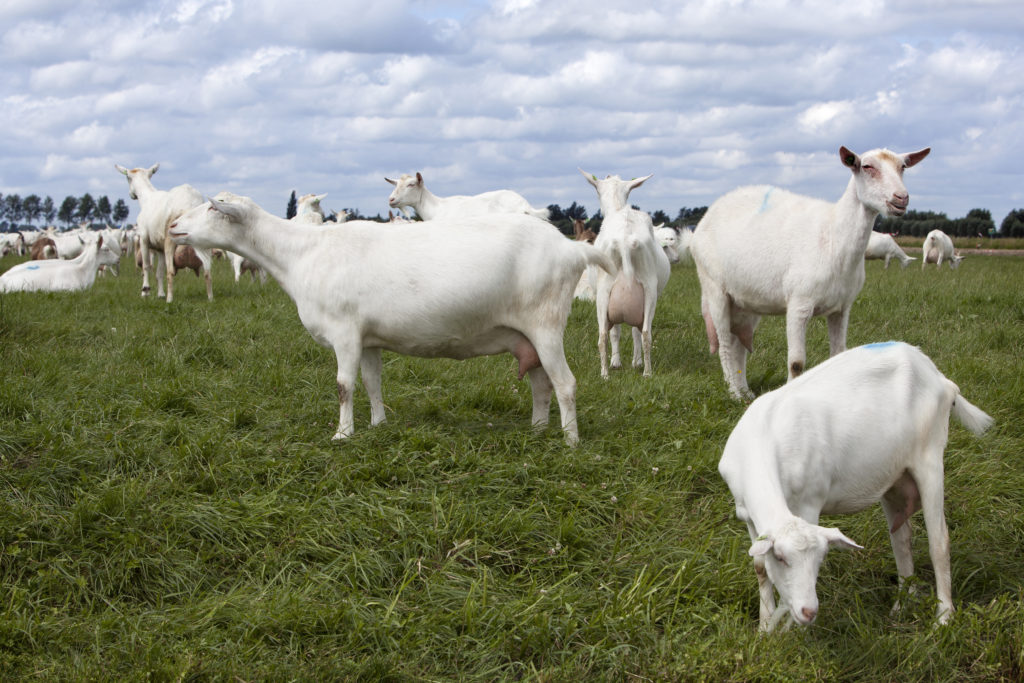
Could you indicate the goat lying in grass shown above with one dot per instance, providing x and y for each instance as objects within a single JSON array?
[
  {"x": 500, "y": 283},
  {"x": 868, "y": 425},
  {"x": 60, "y": 275}
]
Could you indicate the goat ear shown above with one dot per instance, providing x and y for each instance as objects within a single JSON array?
[
  {"x": 419, "y": 178},
  {"x": 230, "y": 210},
  {"x": 850, "y": 160},
  {"x": 591, "y": 178},
  {"x": 914, "y": 157},
  {"x": 761, "y": 546},
  {"x": 837, "y": 538},
  {"x": 637, "y": 182},
  {"x": 121, "y": 169},
  {"x": 393, "y": 182},
  {"x": 153, "y": 169}
]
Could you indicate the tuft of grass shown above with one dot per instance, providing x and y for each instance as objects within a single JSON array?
[{"x": 172, "y": 505}]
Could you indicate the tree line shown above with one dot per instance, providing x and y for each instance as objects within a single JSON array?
[{"x": 33, "y": 212}]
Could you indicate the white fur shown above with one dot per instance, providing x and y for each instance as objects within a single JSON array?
[
  {"x": 59, "y": 275},
  {"x": 765, "y": 251},
  {"x": 868, "y": 425},
  {"x": 938, "y": 247},
  {"x": 882, "y": 246},
  {"x": 481, "y": 286},
  {"x": 157, "y": 210},
  {"x": 675, "y": 242},
  {"x": 308, "y": 210},
  {"x": 411, "y": 192},
  {"x": 627, "y": 237}
]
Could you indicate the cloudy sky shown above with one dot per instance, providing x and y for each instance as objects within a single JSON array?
[{"x": 263, "y": 97}]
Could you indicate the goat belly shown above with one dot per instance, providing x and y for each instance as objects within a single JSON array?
[{"x": 626, "y": 302}]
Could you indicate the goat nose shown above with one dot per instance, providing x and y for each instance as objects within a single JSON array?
[
  {"x": 809, "y": 613},
  {"x": 900, "y": 198}
]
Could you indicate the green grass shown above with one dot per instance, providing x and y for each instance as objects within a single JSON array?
[{"x": 173, "y": 507}]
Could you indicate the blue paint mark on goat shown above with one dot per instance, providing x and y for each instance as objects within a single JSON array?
[
  {"x": 764, "y": 203},
  {"x": 878, "y": 346}
]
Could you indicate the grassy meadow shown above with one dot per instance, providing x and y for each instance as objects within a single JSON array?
[{"x": 172, "y": 507}]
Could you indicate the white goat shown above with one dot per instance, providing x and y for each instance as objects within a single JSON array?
[
  {"x": 240, "y": 264},
  {"x": 868, "y": 425},
  {"x": 59, "y": 275},
  {"x": 157, "y": 210},
  {"x": 411, "y": 192},
  {"x": 675, "y": 242},
  {"x": 938, "y": 247},
  {"x": 459, "y": 292},
  {"x": 881, "y": 245},
  {"x": 308, "y": 210},
  {"x": 765, "y": 251},
  {"x": 630, "y": 294}
]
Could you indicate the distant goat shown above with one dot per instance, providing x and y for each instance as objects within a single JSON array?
[
  {"x": 411, "y": 192},
  {"x": 628, "y": 295},
  {"x": 60, "y": 275},
  {"x": 938, "y": 247},
  {"x": 882, "y": 246}
]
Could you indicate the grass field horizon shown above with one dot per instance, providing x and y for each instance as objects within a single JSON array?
[{"x": 173, "y": 507}]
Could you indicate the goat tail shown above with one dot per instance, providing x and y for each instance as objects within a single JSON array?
[
  {"x": 971, "y": 416},
  {"x": 595, "y": 257}
]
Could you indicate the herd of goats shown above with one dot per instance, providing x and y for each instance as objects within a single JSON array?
[{"x": 488, "y": 274}]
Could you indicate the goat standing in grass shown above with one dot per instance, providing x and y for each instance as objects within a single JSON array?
[
  {"x": 868, "y": 425},
  {"x": 500, "y": 283},
  {"x": 765, "y": 251},
  {"x": 157, "y": 210}
]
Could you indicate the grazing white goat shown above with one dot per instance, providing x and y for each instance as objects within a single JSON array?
[
  {"x": 308, "y": 209},
  {"x": 881, "y": 245},
  {"x": 411, "y": 192},
  {"x": 868, "y": 425},
  {"x": 480, "y": 286},
  {"x": 59, "y": 275},
  {"x": 938, "y": 247},
  {"x": 765, "y": 251},
  {"x": 12, "y": 242},
  {"x": 629, "y": 295},
  {"x": 675, "y": 242},
  {"x": 157, "y": 210}
]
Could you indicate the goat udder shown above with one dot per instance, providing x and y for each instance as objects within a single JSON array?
[
  {"x": 526, "y": 354},
  {"x": 626, "y": 302}
]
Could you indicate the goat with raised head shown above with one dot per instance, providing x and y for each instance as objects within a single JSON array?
[
  {"x": 628, "y": 295},
  {"x": 500, "y": 283},
  {"x": 765, "y": 251},
  {"x": 157, "y": 210}
]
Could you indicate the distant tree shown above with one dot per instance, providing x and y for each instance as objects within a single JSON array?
[
  {"x": 660, "y": 216},
  {"x": 103, "y": 209},
  {"x": 86, "y": 208},
  {"x": 688, "y": 217},
  {"x": 13, "y": 209},
  {"x": 32, "y": 208},
  {"x": 916, "y": 223},
  {"x": 68, "y": 210},
  {"x": 49, "y": 210},
  {"x": 1013, "y": 224},
  {"x": 293, "y": 207},
  {"x": 576, "y": 211},
  {"x": 120, "y": 213},
  {"x": 555, "y": 213}
]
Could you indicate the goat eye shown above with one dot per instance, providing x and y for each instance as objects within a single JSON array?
[{"x": 781, "y": 559}]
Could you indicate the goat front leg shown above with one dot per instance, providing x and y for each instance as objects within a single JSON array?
[
  {"x": 838, "y": 323},
  {"x": 798, "y": 314},
  {"x": 371, "y": 367},
  {"x": 348, "y": 365}
]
